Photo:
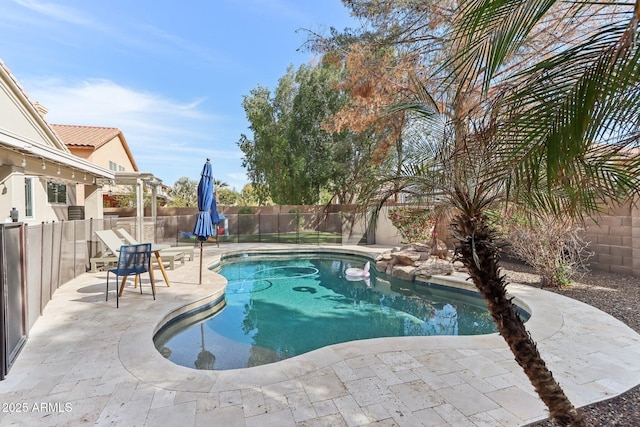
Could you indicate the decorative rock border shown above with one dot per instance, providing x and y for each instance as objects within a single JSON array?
[{"x": 416, "y": 261}]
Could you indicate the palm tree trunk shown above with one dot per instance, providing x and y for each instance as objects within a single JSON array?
[{"x": 476, "y": 249}]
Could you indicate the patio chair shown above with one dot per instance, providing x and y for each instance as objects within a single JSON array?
[
  {"x": 132, "y": 259},
  {"x": 113, "y": 242},
  {"x": 166, "y": 251}
]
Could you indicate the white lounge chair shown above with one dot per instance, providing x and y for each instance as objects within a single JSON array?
[
  {"x": 113, "y": 243},
  {"x": 187, "y": 250}
]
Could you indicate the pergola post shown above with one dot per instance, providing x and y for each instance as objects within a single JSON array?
[
  {"x": 140, "y": 210},
  {"x": 154, "y": 211},
  {"x": 139, "y": 180}
]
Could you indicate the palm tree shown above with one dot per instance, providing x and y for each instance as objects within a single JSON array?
[
  {"x": 219, "y": 185},
  {"x": 556, "y": 136},
  {"x": 184, "y": 192}
]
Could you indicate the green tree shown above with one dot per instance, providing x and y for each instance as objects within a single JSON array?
[
  {"x": 266, "y": 154},
  {"x": 218, "y": 185},
  {"x": 550, "y": 131},
  {"x": 228, "y": 197},
  {"x": 184, "y": 193},
  {"x": 291, "y": 158},
  {"x": 313, "y": 147},
  {"x": 126, "y": 197},
  {"x": 252, "y": 196},
  {"x": 562, "y": 134}
]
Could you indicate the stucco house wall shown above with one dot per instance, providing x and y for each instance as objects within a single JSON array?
[
  {"x": 104, "y": 146},
  {"x": 31, "y": 152}
]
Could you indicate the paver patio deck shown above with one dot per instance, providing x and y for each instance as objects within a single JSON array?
[{"x": 88, "y": 363}]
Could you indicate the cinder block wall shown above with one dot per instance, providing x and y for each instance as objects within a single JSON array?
[{"x": 615, "y": 239}]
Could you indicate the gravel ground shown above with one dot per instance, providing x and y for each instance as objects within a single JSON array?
[{"x": 617, "y": 295}]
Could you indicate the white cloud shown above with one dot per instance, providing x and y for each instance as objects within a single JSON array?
[
  {"x": 165, "y": 135},
  {"x": 105, "y": 103},
  {"x": 110, "y": 98},
  {"x": 56, "y": 11}
]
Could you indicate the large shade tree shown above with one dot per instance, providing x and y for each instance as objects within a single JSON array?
[
  {"x": 290, "y": 156},
  {"x": 554, "y": 132}
]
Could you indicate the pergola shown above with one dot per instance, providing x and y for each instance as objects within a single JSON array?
[{"x": 140, "y": 180}]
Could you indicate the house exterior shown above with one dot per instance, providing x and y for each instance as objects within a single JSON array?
[
  {"x": 41, "y": 180},
  {"x": 108, "y": 148},
  {"x": 103, "y": 146}
]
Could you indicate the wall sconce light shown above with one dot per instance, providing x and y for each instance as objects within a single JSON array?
[
  {"x": 73, "y": 173},
  {"x": 94, "y": 181},
  {"x": 58, "y": 172},
  {"x": 4, "y": 188},
  {"x": 24, "y": 162},
  {"x": 43, "y": 165},
  {"x": 85, "y": 176}
]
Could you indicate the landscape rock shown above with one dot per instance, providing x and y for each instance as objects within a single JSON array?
[
  {"x": 381, "y": 265},
  {"x": 425, "y": 255},
  {"x": 421, "y": 247},
  {"x": 435, "y": 267},
  {"x": 386, "y": 256},
  {"x": 440, "y": 250},
  {"x": 404, "y": 272},
  {"x": 406, "y": 257},
  {"x": 423, "y": 259}
]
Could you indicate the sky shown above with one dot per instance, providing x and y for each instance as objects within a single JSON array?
[{"x": 170, "y": 75}]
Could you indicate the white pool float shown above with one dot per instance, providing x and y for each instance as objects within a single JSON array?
[{"x": 358, "y": 273}]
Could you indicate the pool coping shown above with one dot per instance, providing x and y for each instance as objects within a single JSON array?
[
  {"x": 213, "y": 303},
  {"x": 101, "y": 359},
  {"x": 156, "y": 368},
  {"x": 545, "y": 323}
]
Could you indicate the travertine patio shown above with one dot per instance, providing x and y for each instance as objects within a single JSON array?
[{"x": 88, "y": 363}]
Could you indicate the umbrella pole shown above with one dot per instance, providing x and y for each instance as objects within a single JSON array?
[{"x": 200, "y": 280}]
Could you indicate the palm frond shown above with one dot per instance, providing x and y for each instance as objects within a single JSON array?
[
  {"x": 491, "y": 31},
  {"x": 571, "y": 112}
]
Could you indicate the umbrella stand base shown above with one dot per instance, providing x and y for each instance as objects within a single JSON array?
[{"x": 200, "y": 277}]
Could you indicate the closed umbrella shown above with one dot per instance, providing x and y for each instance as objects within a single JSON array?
[
  {"x": 205, "y": 359},
  {"x": 215, "y": 217},
  {"x": 204, "y": 227}
]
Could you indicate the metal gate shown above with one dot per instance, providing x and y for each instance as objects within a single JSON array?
[{"x": 13, "y": 329}]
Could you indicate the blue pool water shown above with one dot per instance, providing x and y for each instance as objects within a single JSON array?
[{"x": 282, "y": 306}]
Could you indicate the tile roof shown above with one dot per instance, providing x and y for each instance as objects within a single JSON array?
[
  {"x": 13, "y": 79},
  {"x": 85, "y": 136},
  {"x": 93, "y": 137}
]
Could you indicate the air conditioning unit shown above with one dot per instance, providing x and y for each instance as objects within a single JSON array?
[{"x": 75, "y": 213}]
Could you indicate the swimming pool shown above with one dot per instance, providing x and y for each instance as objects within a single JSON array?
[{"x": 281, "y": 306}]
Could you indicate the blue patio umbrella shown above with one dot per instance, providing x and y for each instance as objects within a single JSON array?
[
  {"x": 215, "y": 216},
  {"x": 204, "y": 227}
]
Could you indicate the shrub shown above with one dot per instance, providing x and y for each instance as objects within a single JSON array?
[
  {"x": 414, "y": 225},
  {"x": 552, "y": 246}
]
